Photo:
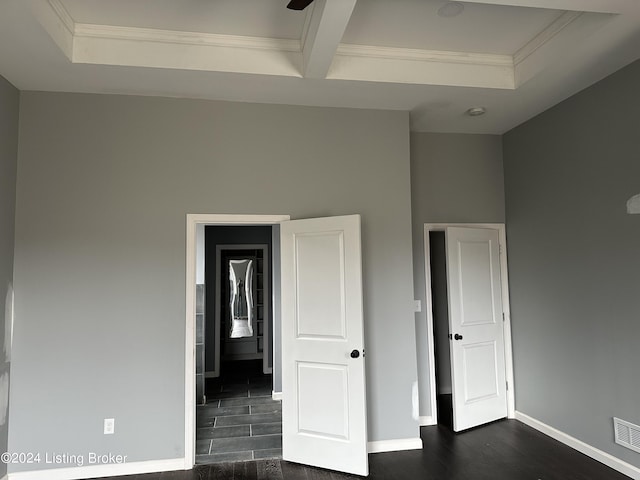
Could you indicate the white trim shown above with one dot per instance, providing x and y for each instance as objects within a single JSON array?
[
  {"x": 233, "y": 219},
  {"x": 61, "y": 12},
  {"x": 394, "y": 445},
  {"x": 125, "y": 46},
  {"x": 5, "y": 477},
  {"x": 276, "y": 395},
  {"x": 114, "y": 32},
  {"x": 440, "y": 56},
  {"x": 190, "y": 297},
  {"x": 422, "y": 67},
  {"x": 326, "y": 28},
  {"x": 307, "y": 24},
  {"x": 598, "y": 6},
  {"x": 504, "y": 278},
  {"x": 426, "y": 421},
  {"x": 318, "y": 53},
  {"x": 190, "y": 346},
  {"x": 98, "y": 471},
  {"x": 56, "y": 21},
  {"x": 545, "y": 36},
  {"x": 590, "y": 451}
]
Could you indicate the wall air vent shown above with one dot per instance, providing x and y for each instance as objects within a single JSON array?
[{"x": 627, "y": 434}]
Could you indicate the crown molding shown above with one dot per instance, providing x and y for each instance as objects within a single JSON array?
[
  {"x": 56, "y": 21},
  {"x": 62, "y": 14},
  {"x": 422, "y": 67},
  {"x": 112, "y": 32},
  {"x": 593, "y": 6},
  {"x": 569, "y": 33},
  {"x": 441, "y": 70},
  {"x": 440, "y": 56},
  {"x": 545, "y": 35},
  {"x": 149, "y": 47}
]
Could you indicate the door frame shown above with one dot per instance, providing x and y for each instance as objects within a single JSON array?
[
  {"x": 506, "y": 325},
  {"x": 193, "y": 220}
]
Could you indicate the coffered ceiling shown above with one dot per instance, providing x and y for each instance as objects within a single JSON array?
[{"x": 433, "y": 58}]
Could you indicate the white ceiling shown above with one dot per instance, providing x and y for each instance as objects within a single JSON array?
[
  {"x": 481, "y": 28},
  {"x": 514, "y": 57},
  {"x": 257, "y": 18}
]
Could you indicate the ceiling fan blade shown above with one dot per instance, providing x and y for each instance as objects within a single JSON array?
[{"x": 299, "y": 4}]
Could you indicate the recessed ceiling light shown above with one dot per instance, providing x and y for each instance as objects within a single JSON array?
[
  {"x": 450, "y": 9},
  {"x": 476, "y": 111}
]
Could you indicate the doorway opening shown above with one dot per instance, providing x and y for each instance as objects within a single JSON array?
[
  {"x": 440, "y": 312},
  {"x": 321, "y": 333},
  {"x": 214, "y": 389},
  {"x": 237, "y": 418},
  {"x": 468, "y": 324}
]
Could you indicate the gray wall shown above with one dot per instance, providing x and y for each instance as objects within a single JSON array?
[
  {"x": 105, "y": 183},
  {"x": 574, "y": 262},
  {"x": 455, "y": 178},
  {"x": 9, "y": 100}
]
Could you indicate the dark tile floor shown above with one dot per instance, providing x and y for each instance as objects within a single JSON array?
[{"x": 240, "y": 420}]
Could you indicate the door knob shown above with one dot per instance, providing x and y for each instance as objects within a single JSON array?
[
  {"x": 457, "y": 336},
  {"x": 355, "y": 353}
]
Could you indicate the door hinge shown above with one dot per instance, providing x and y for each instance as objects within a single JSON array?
[
  {"x": 507, "y": 386},
  {"x": 499, "y": 248},
  {"x": 503, "y": 317}
]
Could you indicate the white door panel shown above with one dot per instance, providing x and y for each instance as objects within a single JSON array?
[
  {"x": 319, "y": 267},
  {"x": 324, "y": 404},
  {"x": 475, "y": 327}
]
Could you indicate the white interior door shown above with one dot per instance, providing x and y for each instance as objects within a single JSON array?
[
  {"x": 323, "y": 376},
  {"x": 475, "y": 327}
]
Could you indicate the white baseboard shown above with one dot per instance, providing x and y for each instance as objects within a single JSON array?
[
  {"x": 5, "y": 477},
  {"x": 276, "y": 395},
  {"x": 97, "y": 471},
  {"x": 394, "y": 445},
  {"x": 426, "y": 421},
  {"x": 595, "y": 453}
]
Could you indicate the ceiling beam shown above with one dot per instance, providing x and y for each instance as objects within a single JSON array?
[
  {"x": 422, "y": 67},
  {"x": 145, "y": 47},
  {"x": 329, "y": 20},
  {"x": 596, "y": 6}
]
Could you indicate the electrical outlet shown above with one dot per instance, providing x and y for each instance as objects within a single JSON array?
[{"x": 109, "y": 426}]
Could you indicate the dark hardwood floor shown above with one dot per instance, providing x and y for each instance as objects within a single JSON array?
[{"x": 504, "y": 450}]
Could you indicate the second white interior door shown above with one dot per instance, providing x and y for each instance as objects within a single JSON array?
[{"x": 475, "y": 326}]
